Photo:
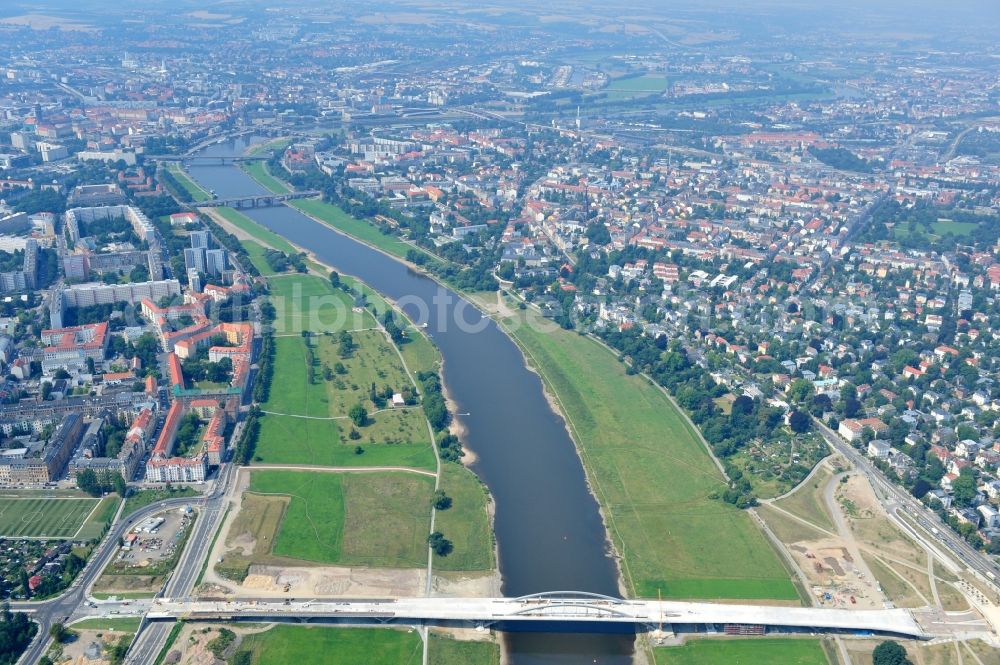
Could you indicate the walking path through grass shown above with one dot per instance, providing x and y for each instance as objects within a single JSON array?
[{"x": 656, "y": 483}]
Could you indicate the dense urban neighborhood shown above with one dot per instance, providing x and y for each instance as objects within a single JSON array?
[{"x": 272, "y": 279}]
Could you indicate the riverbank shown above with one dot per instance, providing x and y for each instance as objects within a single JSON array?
[
  {"x": 657, "y": 498},
  {"x": 462, "y": 522}
]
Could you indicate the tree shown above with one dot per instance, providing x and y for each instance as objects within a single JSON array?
[
  {"x": 441, "y": 500},
  {"x": 441, "y": 545},
  {"x": 799, "y": 422},
  {"x": 335, "y": 279},
  {"x": 801, "y": 390},
  {"x": 964, "y": 487},
  {"x": 60, "y": 633},
  {"x": 890, "y": 653},
  {"x": 743, "y": 405},
  {"x": 87, "y": 481},
  {"x": 358, "y": 415},
  {"x": 121, "y": 487},
  {"x": 920, "y": 488},
  {"x": 46, "y": 390}
]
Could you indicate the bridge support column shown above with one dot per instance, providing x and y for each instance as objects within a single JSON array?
[{"x": 660, "y": 633}]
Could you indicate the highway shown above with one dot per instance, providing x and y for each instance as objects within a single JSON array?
[
  {"x": 896, "y": 498},
  {"x": 560, "y": 607}
]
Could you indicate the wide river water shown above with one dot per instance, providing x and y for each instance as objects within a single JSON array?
[{"x": 549, "y": 533}]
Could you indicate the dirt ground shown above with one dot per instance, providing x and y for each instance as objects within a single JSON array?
[
  {"x": 75, "y": 651},
  {"x": 833, "y": 576},
  {"x": 347, "y": 582},
  {"x": 191, "y": 647}
]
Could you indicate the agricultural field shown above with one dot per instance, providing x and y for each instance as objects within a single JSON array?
[
  {"x": 654, "y": 479},
  {"x": 363, "y": 519},
  {"x": 281, "y": 645},
  {"x": 44, "y": 517},
  {"x": 727, "y": 652}
]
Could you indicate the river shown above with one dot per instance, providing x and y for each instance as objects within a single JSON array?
[{"x": 549, "y": 532}]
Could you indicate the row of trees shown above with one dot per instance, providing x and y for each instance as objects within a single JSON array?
[
  {"x": 695, "y": 391},
  {"x": 247, "y": 444},
  {"x": 98, "y": 483}
]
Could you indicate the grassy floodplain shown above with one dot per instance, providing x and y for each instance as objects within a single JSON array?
[
  {"x": 46, "y": 517},
  {"x": 653, "y": 478},
  {"x": 333, "y": 216},
  {"x": 259, "y": 172},
  {"x": 444, "y": 650},
  {"x": 651, "y": 474},
  {"x": 306, "y": 415},
  {"x": 743, "y": 652},
  {"x": 369, "y": 519},
  {"x": 190, "y": 186},
  {"x": 281, "y": 645},
  {"x": 255, "y": 251}
]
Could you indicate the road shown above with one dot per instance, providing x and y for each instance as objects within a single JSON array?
[
  {"x": 557, "y": 607},
  {"x": 63, "y": 607},
  {"x": 211, "y": 511},
  {"x": 896, "y": 499}
]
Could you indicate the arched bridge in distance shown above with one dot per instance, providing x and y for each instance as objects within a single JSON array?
[
  {"x": 551, "y": 607},
  {"x": 256, "y": 200}
]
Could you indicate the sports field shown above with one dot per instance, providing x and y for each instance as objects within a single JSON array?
[
  {"x": 44, "y": 517},
  {"x": 654, "y": 479},
  {"x": 743, "y": 652}
]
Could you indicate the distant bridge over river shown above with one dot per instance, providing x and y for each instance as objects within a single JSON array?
[
  {"x": 202, "y": 160},
  {"x": 256, "y": 201}
]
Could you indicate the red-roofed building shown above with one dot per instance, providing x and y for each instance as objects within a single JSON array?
[{"x": 69, "y": 348}]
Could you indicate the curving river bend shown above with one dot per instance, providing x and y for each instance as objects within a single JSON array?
[{"x": 549, "y": 533}]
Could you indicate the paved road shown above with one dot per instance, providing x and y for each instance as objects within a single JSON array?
[
  {"x": 563, "y": 606},
  {"x": 60, "y": 609},
  {"x": 896, "y": 498},
  {"x": 211, "y": 510}
]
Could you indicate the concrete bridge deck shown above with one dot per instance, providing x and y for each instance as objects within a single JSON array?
[{"x": 543, "y": 608}]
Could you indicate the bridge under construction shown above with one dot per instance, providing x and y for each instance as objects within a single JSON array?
[{"x": 569, "y": 607}]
